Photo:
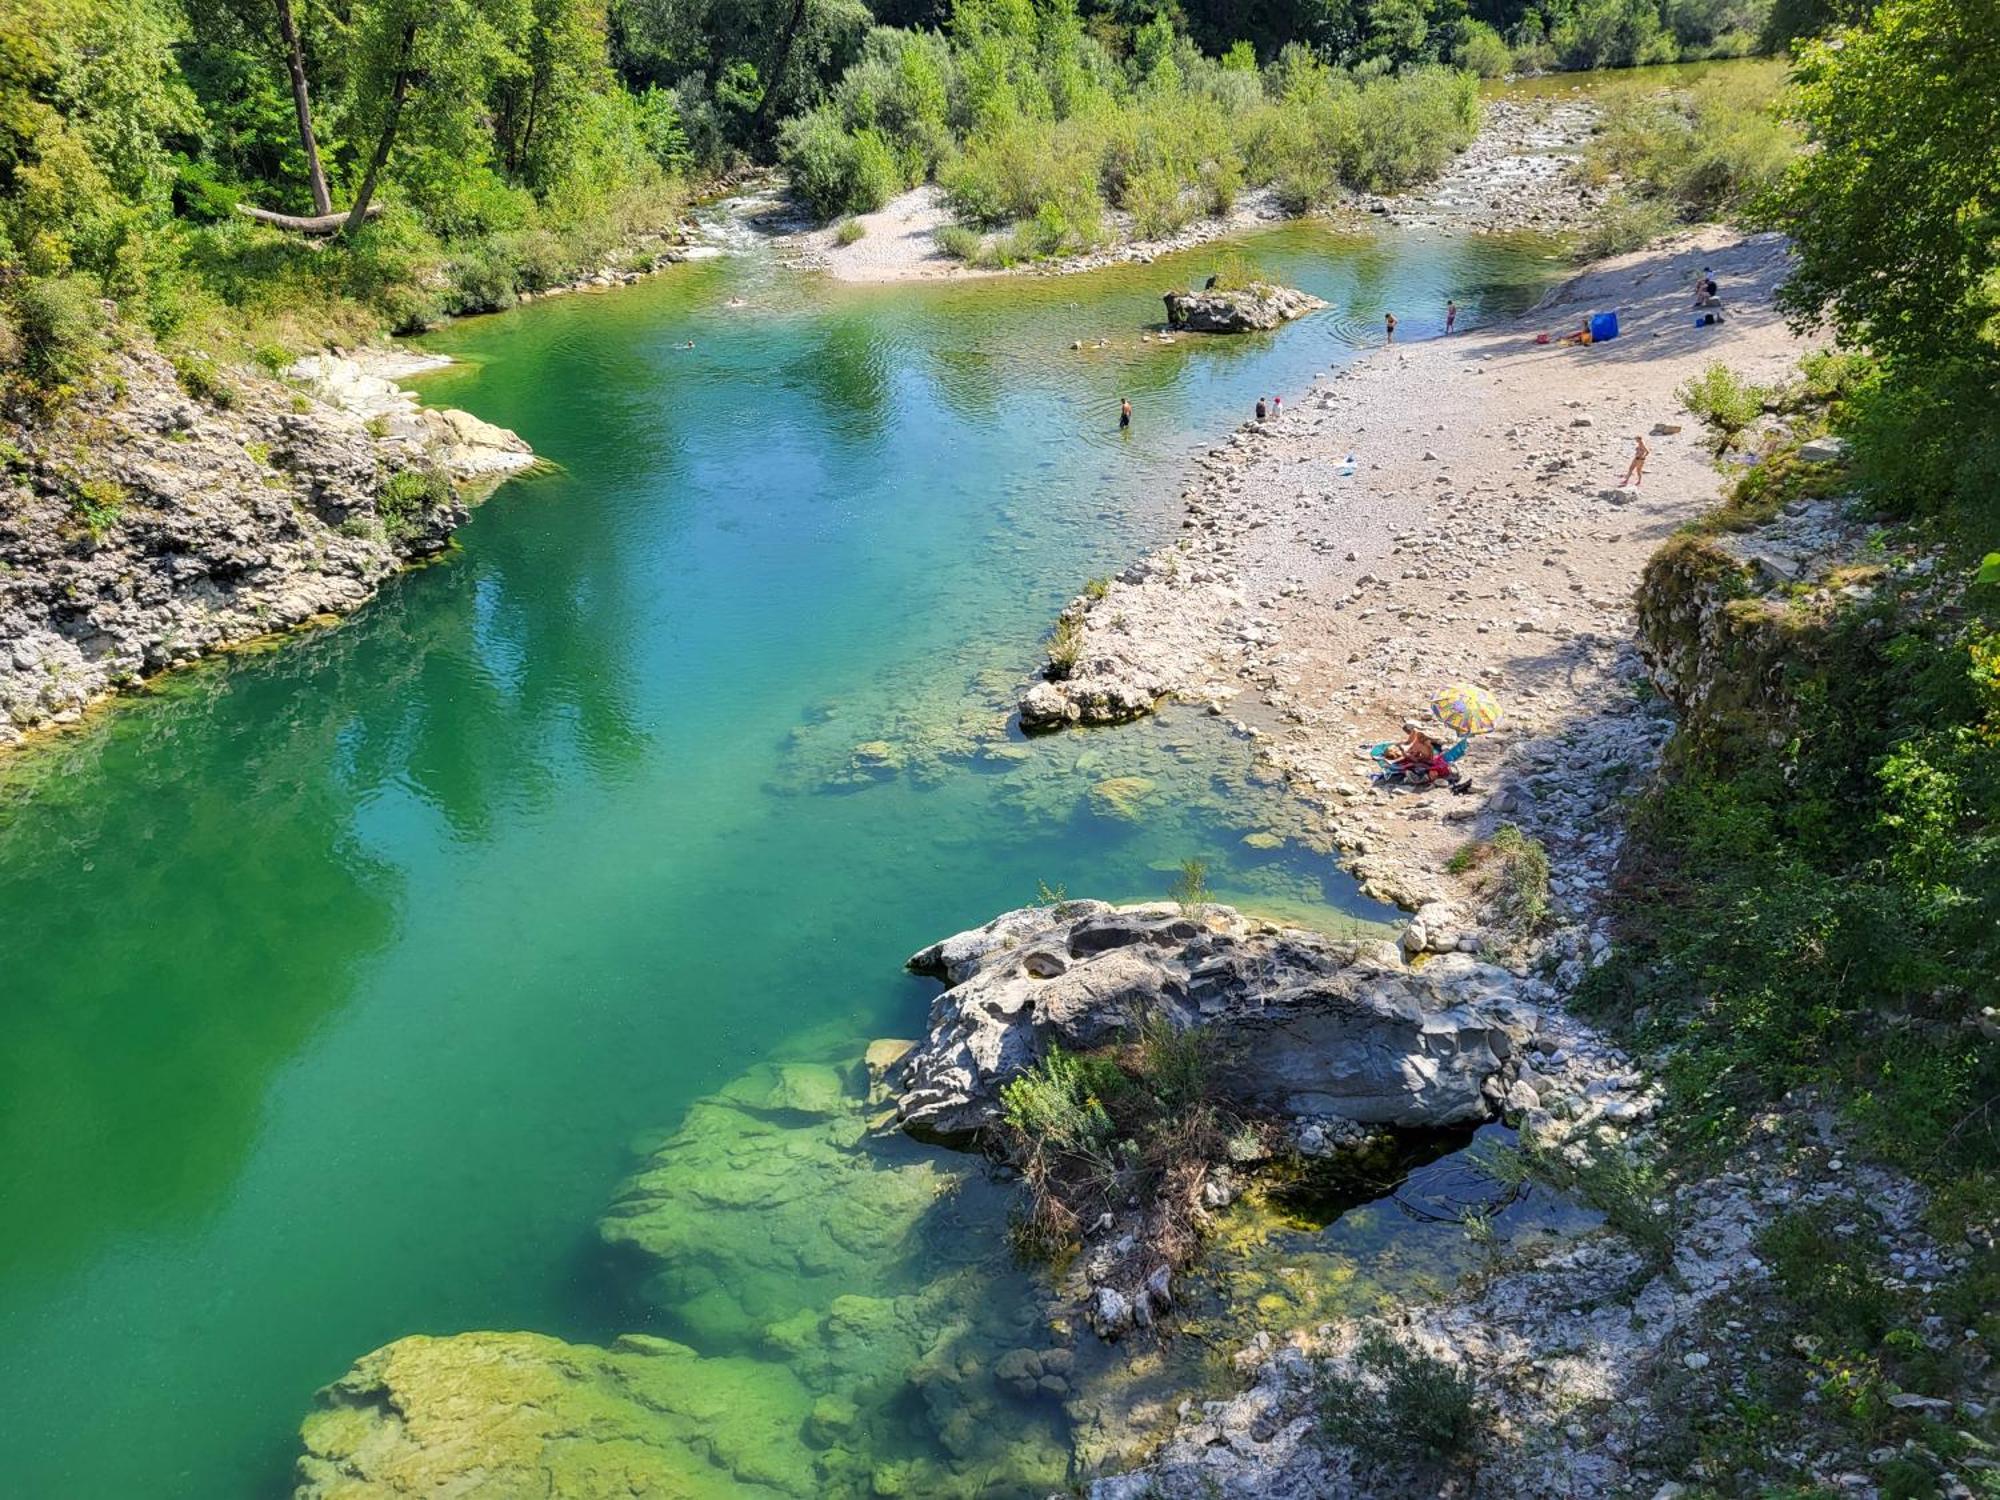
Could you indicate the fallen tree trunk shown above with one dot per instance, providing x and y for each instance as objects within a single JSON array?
[{"x": 303, "y": 223}]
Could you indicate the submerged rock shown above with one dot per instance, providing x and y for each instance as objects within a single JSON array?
[
  {"x": 788, "y": 1146},
  {"x": 1301, "y": 1024},
  {"x": 1238, "y": 309},
  {"x": 521, "y": 1414}
]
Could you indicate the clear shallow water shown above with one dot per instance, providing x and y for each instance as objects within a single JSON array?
[{"x": 337, "y": 980}]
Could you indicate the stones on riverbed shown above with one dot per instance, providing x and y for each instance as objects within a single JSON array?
[
  {"x": 1121, "y": 797},
  {"x": 1823, "y": 450},
  {"x": 1299, "y": 1024},
  {"x": 1244, "y": 309}
]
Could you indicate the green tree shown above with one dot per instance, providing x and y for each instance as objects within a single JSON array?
[{"x": 1896, "y": 209}]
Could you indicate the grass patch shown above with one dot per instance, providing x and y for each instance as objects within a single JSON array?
[
  {"x": 1189, "y": 888},
  {"x": 1065, "y": 645},
  {"x": 1512, "y": 871},
  {"x": 851, "y": 231}
]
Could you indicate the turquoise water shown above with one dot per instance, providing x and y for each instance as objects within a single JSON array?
[{"x": 340, "y": 978}]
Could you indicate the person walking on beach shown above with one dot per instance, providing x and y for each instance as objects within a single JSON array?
[
  {"x": 1450, "y": 314},
  {"x": 1389, "y": 328},
  {"x": 1124, "y": 412},
  {"x": 1636, "y": 470}
]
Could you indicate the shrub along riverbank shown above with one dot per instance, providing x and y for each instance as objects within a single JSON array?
[{"x": 1027, "y": 121}]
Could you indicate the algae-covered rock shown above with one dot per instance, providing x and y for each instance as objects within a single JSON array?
[
  {"x": 771, "y": 1198},
  {"x": 1121, "y": 797},
  {"x": 505, "y": 1415}
]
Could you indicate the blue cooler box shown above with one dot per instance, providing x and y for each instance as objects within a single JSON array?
[{"x": 1603, "y": 326}]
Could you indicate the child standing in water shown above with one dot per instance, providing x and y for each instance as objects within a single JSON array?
[
  {"x": 1389, "y": 328},
  {"x": 1124, "y": 412}
]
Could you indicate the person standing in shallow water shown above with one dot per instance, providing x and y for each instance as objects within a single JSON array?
[
  {"x": 1388, "y": 328},
  {"x": 1450, "y": 314},
  {"x": 1124, "y": 412}
]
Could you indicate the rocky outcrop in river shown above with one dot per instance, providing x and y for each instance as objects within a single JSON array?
[
  {"x": 1301, "y": 1025},
  {"x": 142, "y": 526},
  {"x": 1242, "y": 309}
]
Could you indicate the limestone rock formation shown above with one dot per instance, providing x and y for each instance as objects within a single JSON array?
[
  {"x": 363, "y": 385},
  {"x": 141, "y": 527},
  {"x": 1302, "y": 1025},
  {"x": 1238, "y": 309}
]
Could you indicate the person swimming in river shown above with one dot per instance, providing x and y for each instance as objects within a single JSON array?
[{"x": 1124, "y": 412}]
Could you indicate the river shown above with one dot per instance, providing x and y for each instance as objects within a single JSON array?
[{"x": 337, "y": 980}]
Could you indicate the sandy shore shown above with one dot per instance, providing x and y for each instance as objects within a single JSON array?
[
  {"x": 1514, "y": 175},
  {"x": 1479, "y": 537}
]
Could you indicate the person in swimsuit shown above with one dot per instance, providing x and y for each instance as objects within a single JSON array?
[
  {"x": 1124, "y": 412},
  {"x": 1636, "y": 470},
  {"x": 1389, "y": 328},
  {"x": 1450, "y": 314}
]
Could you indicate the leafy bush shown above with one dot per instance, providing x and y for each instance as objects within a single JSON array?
[
  {"x": 58, "y": 328},
  {"x": 1480, "y": 50},
  {"x": 837, "y": 171},
  {"x": 201, "y": 379},
  {"x": 1401, "y": 1404},
  {"x": 98, "y": 504},
  {"x": 1059, "y": 1102},
  {"x": 1719, "y": 397},
  {"x": 408, "y": 496},
  {"x": 1692, "y": 154},
  {"x": 961, "y": 242}
]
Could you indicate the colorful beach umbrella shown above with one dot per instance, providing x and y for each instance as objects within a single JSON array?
[{"x": 1468, "y": 709}]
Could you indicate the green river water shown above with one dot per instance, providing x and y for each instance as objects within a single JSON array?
[{"x": 339, "y": 981}]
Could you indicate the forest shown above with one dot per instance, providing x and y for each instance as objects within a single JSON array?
[{"x": 468, "y": 150}]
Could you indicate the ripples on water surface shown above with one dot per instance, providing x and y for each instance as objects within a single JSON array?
[{"x": 340, "y": 979}]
